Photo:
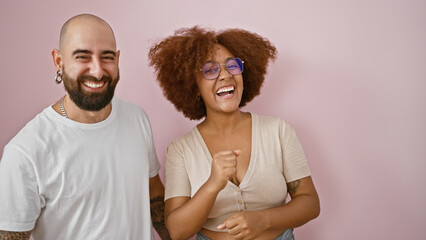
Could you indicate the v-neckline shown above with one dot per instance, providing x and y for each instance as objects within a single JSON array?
[{"x": 249, "y": 171}]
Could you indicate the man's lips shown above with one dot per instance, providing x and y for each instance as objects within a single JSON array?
[{"x": 94, "y": 86}]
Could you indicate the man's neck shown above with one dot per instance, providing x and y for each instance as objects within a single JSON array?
[{"x": 77, "y": 114}]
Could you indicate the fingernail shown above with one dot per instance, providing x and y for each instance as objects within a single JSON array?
[{"x": 221, "y": 226}]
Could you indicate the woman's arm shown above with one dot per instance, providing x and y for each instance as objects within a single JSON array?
[
  {"x": 303, "y": 207},
  {"x": 185, "y": 216}
]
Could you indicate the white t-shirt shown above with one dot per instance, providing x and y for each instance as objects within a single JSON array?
[
  {"x": 277, "y": 158},
  {"x": 69, "y": 180}
]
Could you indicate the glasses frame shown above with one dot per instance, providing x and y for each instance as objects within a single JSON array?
[{"x": 220, "y": 68}]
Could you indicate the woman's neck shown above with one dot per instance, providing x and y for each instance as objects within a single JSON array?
[{"x": 223, "y": 123}]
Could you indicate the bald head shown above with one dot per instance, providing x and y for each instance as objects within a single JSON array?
[{"x": 82, "y": 21}]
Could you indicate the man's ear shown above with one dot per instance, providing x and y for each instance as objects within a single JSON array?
[
  {"x": 118, "y": 56},
  {"x": 57, "y": 59}
]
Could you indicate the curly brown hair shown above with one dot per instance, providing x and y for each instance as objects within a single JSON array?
[{"x": 177, "y": 58}]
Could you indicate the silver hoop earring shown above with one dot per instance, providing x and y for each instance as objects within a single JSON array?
[{"x": 58, "y": 77}]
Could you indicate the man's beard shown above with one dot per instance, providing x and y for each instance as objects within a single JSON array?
[{"x": 89, "y": 101}]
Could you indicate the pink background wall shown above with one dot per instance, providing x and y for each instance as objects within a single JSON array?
[{"x": 350, "y": 78}]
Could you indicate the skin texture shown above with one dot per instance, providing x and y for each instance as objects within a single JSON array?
[
  {"x": 4, "y": 235},
  {"x": 227, "y": 133},
  {"x": 156, "y": 195},
  {"x": 293, "y": 186}
]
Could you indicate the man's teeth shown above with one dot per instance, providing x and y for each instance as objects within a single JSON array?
[
  {"x": 93, "y": 85},
  {"x": 225, "y": 89}
]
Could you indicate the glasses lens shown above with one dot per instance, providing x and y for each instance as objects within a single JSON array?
[
  {"x": 234, "y": 66},
  {"x": 211, "y": 70}
]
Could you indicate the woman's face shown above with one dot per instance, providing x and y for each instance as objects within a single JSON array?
[{"x": 223, "y": 94}]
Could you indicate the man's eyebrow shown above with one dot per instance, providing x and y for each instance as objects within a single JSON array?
[
  {"x": 81, "y": 51},
  {"x": 109, "y": 52},
  {"x": 90, "y": 52}
]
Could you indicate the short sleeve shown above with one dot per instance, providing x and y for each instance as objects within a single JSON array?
[
  {"x": 176, "y": 182},
  {"x": 295, "y": 165},
  {"x": 154, "y": 165},
  {"x": 20, "y": 202}
]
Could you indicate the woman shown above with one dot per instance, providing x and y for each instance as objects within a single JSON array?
[{"x": 228, "y": 178}]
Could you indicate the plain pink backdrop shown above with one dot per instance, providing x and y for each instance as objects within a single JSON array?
[{"x": 350, "y": 78}]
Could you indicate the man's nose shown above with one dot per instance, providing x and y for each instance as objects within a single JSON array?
[{"x": 96, "y": 69}]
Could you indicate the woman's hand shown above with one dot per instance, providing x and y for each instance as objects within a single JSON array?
[
  {"x": 224, "y": 168},
  {"x": 244, "y": 225},
  {"x": 303, "y": 207}
]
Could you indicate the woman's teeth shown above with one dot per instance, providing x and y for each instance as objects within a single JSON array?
[{"x": 223, "y": 90}]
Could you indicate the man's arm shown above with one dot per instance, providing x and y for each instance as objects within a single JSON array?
[
  {"x": 5, "y": 235},
  {"x": 156, "y": 192}
]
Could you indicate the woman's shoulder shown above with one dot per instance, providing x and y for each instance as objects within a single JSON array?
[
  {"x": 271, "y": 124},
  {"x": 266, "y": 120},
  {"x": 188, "y": 139}
]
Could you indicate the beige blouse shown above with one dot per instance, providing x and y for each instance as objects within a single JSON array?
[{"x": 276, "y": 159}]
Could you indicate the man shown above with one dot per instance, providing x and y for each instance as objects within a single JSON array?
[{"x": 86, "y": 167}]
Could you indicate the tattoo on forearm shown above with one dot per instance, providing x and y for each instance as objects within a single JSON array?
[
  {"x": 293, "y": 186},
  {"x": 5, "y": 235},
  {"x": 157, "y": 216}
]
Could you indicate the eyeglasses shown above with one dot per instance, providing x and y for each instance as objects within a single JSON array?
[{"x": 211, "y": 69}]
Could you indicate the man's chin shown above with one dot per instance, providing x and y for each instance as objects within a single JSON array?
[
  {"x": 91, "y": 102},
  {"x": 93, "y": 107}
]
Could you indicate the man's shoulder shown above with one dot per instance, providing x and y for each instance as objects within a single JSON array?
[
  {"x": 34, "y": 132},
  {"x": 130, "y": 113},
  {"x": 40, "y": 123},
  {"x": 127, "y": 106}
]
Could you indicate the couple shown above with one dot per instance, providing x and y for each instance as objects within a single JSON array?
[{"x": 86, "y": 167}]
